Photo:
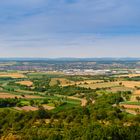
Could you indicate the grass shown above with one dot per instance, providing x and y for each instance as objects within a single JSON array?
[
  {"x": 8, "y": 109},
  {"x": 131, "y": 103},
  {"x": 71, "y": 101},
  {"x": 51, "y": 104},
  {"x": 49, "y": 75},
  {"x": 63, "y": 107},
  {"x": 24, "y": 103},
  {"x": 53, "y": 82}
]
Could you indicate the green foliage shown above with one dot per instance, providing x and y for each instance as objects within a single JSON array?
[
  {"x": 101, "y": 120},
  {"x": 8, "y": 102}
]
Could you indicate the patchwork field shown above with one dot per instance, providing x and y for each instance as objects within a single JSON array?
[
  {"x": 114, "y": 86},
  {"x": 55, "y": 99}
]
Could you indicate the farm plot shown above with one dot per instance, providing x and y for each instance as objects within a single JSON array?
[
  {"x": 129, "y": 75},
  {"x": 65, "y": 82},
  {"x": 12, "y": 75},
  {"x": 74, "y": 100},
  {"x": 134, "y": 96},
  {"x": 48, "y": 107},
  {"x": 130, "y": 84},
  {"x": 26, "y": 108},
  {"x": 136, "y": 92},
  {"x": 127, "y": 106},
  {"x": 119, "y": 88},
  {"x": 26, "y": 83},
  {"x": 130, "y": 111},
  {"x": 9, "y": 95},
  {"x": 89, "y": 82},
  {"x": 100, "y": 85},
  {"x": 131, "y": 107}
]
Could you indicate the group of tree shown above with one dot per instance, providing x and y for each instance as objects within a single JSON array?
[{"x": 98, "y": 121}]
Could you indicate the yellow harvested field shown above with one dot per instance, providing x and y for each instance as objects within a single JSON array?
[
  {"x": 131, "y": 111},
  {"x": 31, "y": 97},
  {"x": 100, "y": 85},
  {"x": 26, "y": 83},
  {"x": 134, "y": 98},
  {"x": 130, "y": 106},
  {"x": 26, "y": 108},
  {"x": 131, "y": 84},
  {"x": 89, "y": 82},
  {"x": 63, "y": 81},
  {"x": 66, "y": 82},
  {"x": 136, "y": 92},
  {"x": 48, "y": 107},
  {"x": 8, "y": 95},
  {"x": 12, "y": 75},
  {"x": 119, "y": 88}
]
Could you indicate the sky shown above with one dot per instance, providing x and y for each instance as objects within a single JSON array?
[{"x": 69, "y": 28}]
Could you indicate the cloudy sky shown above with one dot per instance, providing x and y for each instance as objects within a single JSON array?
[{"x": 70, "y": 28}]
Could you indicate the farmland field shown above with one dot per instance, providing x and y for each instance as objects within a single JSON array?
[
  {"x": 12, "y": 75},
  {"x": 55, "y": 100},
  {"x": 70, "y": 70},
  {"x": 100, "y": 85},
  {"x": 26, "y": 83},
  {"x": 129, "y": 75},
  {"x": 9, "y": 95}
]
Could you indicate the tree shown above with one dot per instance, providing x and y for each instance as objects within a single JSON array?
[{"x": 138, "y": 98}]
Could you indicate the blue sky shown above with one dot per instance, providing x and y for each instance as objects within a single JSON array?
[{"x": 70, "y": 28}]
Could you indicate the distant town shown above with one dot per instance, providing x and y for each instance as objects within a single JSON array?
[{"x": 74, "y": 66}]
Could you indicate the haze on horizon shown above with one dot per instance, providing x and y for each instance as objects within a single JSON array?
[{"x": 69, "y": 28}]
